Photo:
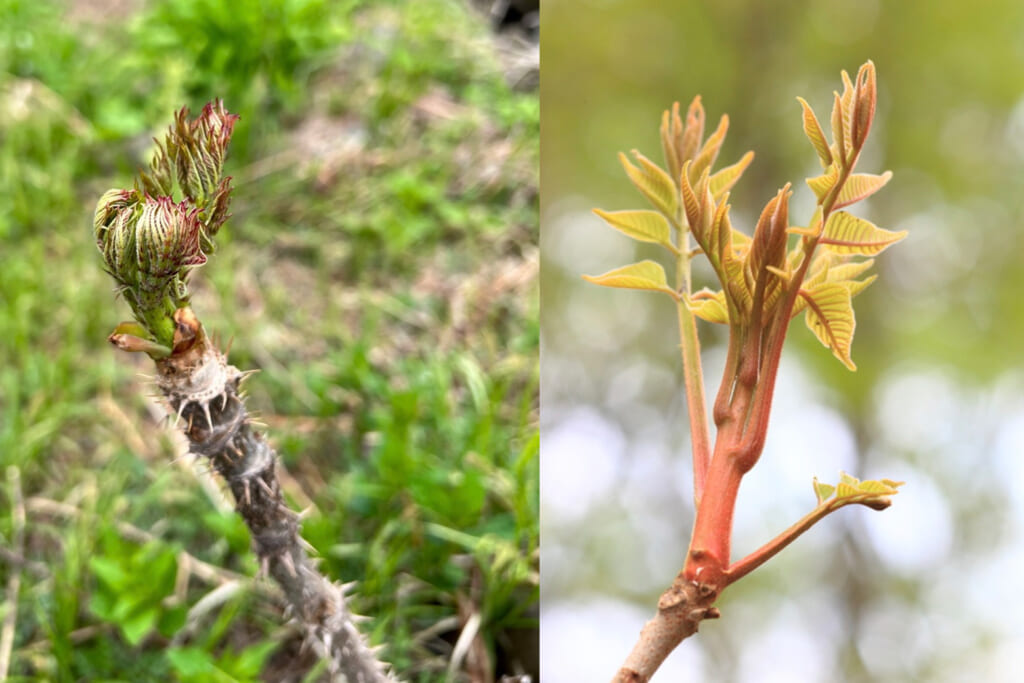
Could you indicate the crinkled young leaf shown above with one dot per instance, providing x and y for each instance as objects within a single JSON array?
[
  {"x": 653, "y": 182},
  {"x": 709, "y": 152},
  {"x": 823, "y": 184},
  {"x": 720, "y": 235},
  {"x": 723, "y": 180},
  {"x": 858, "y": 286},
  {"x": 860, "y": 186},
  {"x": 839, "y": 145},
  {"x": 712, "y": 308},
  {"x": 740, "y": 242},
  {"x": 864, "y": 106},
  {"x": 643, "y": 226},
  {"x": 643, "y": 275},
  {"x": 830, "y": 318},
  {"x": 693, "y": 207},
  {"x": 855, "y": 287},
  {"x": 878, "y": 486},
  {"x": 671, "y": 139},
  {"x": 850, "y": 490},
  {"x": 814, "y": 133},
  {"x": 769, "y": 245},
  {"x": 847, "y": 103},
  {"x": 847, "y": 234},
  {"x": 693, "y": 132},
  {"x": 847, "y": 271},
  {"x": 737, "y": 289},
  {"x": 845, "y": 490},
  {"x": 831, "y": 267},
  {"x": 823, "y": 491}
]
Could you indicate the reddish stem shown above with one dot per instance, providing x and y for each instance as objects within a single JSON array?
[
  {"x": 770, "y": 549},
  {"x": 712, "y": 532}
]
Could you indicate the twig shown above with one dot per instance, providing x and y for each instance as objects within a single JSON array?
[
  {"x": 14, "y": 581},
  {"x": 204, "y": 390}
]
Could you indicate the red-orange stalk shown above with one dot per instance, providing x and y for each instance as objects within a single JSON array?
[{"x": 759, "y": 320}]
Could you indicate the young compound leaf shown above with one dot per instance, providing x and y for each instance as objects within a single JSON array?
[
  {"x": 830, "y": 318},
  {"x": 653, "y": 182},
  {"x": 711, "y": 307},
  {"x": 847, "y": 234},
  {"x": 723, "y": 180},
  {"x": 643, "y": 226},
  {"x": 875, "y": 494},
  {"x": 860, "y": 186},
  {"x": 643, "y": 275},
  {"x": 812, "y": 129}
]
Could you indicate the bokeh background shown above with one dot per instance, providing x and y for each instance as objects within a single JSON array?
[
  {"x": 379, "y": 269},
  {"x": 925, "y": 591}
]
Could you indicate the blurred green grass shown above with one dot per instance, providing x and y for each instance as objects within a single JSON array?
[{"x": 380, "y": 270}]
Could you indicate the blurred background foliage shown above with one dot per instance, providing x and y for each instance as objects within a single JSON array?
[
  {"x": 380, "y": 270},
  {"x": 924, "y": 591}
]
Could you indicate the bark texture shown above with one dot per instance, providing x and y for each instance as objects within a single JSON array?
[
  {"x": 203, "y": 390},
  {"x": 680, "y": 610}
]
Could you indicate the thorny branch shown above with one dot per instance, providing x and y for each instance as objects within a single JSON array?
[{"x": 150, "y": 244}]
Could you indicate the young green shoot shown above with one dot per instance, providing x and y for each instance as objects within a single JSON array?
[{"x": 763, "y": 282}]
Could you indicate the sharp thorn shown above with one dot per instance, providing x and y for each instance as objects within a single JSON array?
[
  {"x": 265, "y": 486},
  {"x": 286, "y": 560},
  {"x": 181, "y": 409}
]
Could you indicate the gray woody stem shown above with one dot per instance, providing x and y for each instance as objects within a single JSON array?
[
  {"x": 203, "y": 391},
  {"x": 680, "y": 610}
]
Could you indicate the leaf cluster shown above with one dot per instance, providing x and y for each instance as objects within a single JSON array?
[
  {"x": 150, "y": 243},
  {"x": 765, "y": 278}
]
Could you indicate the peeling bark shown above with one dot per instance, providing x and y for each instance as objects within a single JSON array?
[{"x": 203, "y": 390}]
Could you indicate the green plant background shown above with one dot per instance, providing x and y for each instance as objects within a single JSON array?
[
  {"x": 926, "y": 590},
  {"x": 380, "y": 271}
]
